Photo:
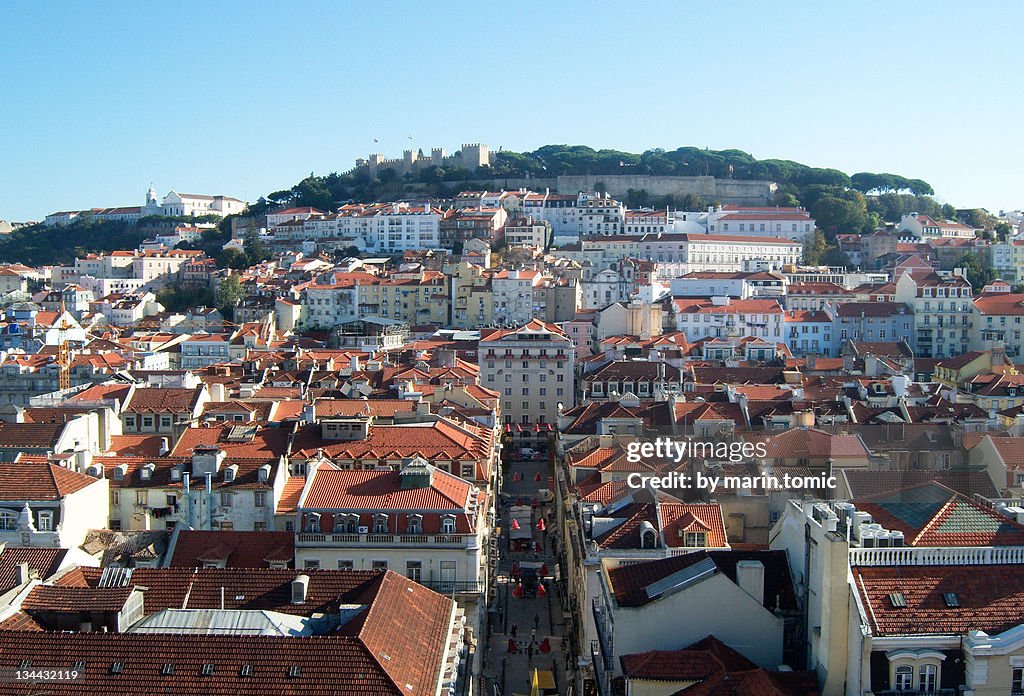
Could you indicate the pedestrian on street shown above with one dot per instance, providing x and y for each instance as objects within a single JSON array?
[
  {"x": 536, "y": 622},
  {"x": 529, "y": 653},
  {"x": 533, "y": 635},
  {"x": 515, "y": 629}
]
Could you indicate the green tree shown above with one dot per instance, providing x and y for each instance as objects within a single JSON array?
[
  {"x": 978, "y": 274},
  {"x": 233, "y": 257},
  {"x": 255, "y": 250},
  {"x": 229, "y": 292},
  {"x": 838, "y": 212},
  {"x": 815, "y": 246}
]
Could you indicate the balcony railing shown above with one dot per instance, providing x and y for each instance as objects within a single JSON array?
[
  {"x": 448, "y": 587},
  {"x": 330, "y": 539},
  {"x": 919, "y": 692}
]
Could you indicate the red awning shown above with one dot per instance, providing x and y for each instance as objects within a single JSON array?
[
  {"x": 548, "y": 425},
  {"x": 519, "y": 427},
  {"x": 536, "y": 427},
  {"x": 508, "y": 427}
]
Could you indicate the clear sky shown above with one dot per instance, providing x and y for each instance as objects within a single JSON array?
[{"x": 246, "y": 98}]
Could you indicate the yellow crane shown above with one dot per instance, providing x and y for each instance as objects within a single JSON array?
[{"x": 63, "y": 350}]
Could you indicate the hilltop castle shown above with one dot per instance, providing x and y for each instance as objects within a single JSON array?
[{"x": 470, "y": 156}]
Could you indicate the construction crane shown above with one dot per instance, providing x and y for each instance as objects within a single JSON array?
[{"x": 63, "y": 350}]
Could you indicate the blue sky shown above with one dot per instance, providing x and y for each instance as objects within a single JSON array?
[{"x": 248, "y": 98}]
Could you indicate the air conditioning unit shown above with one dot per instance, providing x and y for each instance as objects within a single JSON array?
[{"x": 364, "y": 530}]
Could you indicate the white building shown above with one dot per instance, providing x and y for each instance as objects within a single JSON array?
[
  {"x": 722, "y": 317},
  {"x": 766, "y": 221},
  {"x": 942, "y": 312},
  {"x": 601, "y": 217},
  {"x": 922, "y": 226}
]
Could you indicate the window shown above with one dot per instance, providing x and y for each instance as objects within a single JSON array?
[
  {"x": 225, "y": 499},
  {"x": 380, "y": 524},
  {"x": 147, "y": 421},
  {"x": 129, "y": 422},
  {"x": 259, "y": 526},
  {"x": 379, "y": 565},
  {"x": 311, "y": 564},
  {"x": 415, "y": 525},
  {"x": 260, "y": 498},
  {"x": 414, "y": 570},
  {"x": 141, "y": 497},
  {"x": 448, "y": 525},
  {"x": 927, "y": 678},
  {"x": 46, "y": 521},
  {"x": 345, "y": 565},
  {"x": 165, "y": 421},
  {"x": 1017, "y": 680},
  {"x": 904, "y": 678},
  {"x": 696, "y": 539}
]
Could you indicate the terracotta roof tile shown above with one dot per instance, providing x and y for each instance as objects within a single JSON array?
[
  {"x": 985, "y": 604},
  {"x": 21, "y": 481},
  {"x": 237, "y": 549}
]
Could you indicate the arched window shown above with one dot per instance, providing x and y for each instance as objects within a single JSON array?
[
  {"x": 928, "y": 678},
  {"x": 415, "y": 524},
  {"x": 448, "y": 524},
  {"x": 312, "y": 522},
  {"x": 380, "y": 524},
  {"x": 904, "y": 678}
]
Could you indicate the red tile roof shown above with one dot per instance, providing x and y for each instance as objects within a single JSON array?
[
  {"x": 21, "y": 481},
  {"x": 236, "y": 549},
  {"x": 990, "y": 598},
  {"x": 30, "y": 435},
  {"x": 930, "y": 514},
  {"x": 162, "y": 400},
  {"x": 813, "y": 443},
  {"x": 628, "y": 583},
  {"x": 44, "y": 561},
  {"x": 693, "y": 663},
  {"x": 333, "y": 489}
]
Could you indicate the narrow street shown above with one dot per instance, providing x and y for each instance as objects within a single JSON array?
[{"x": 527, "y": 632}]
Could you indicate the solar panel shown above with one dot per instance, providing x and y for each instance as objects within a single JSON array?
[{"x": 682, "y": 578}]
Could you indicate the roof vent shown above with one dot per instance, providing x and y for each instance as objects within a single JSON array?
[
  {"x": 295, "y": 671},
  {"x": 117, "y": 668},
  {"x": 168, "y": 669},
  {"x": 245, "y": 671},
  {"x": 898, "y": 600},
  {"x": 207, "y": 669}
]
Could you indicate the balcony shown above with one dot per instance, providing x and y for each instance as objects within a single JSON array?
[
  {"x": 450, "y": 587},
  {"x": 455, "y": 541},
  {"x": 919, "y": 692}
]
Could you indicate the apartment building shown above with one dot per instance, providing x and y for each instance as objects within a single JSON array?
[{"x": 533, "y": 367}]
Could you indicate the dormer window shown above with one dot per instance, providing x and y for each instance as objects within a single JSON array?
[
  {"x": 312, "y": 522},
  {"x": 696, "y": 539},
  {"x": 415, "y": 525},
  {"x": 380, "y": 524},
  {"x": 448, "y": 524}
]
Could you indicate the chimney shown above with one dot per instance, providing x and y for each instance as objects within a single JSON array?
[
  {"x": 750, "y": 578},
  {"x": 164, "y": 446},
  {"x": 21, "y": 574}
]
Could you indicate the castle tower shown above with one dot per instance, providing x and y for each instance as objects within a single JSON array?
[
  {"x": 475, "y": 155},
  {"x": 437, "y": 156}
]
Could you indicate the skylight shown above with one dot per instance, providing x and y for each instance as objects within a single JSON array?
[
  {"x": 898, "y": 600},
  {"x": 951, "y": 599}
]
